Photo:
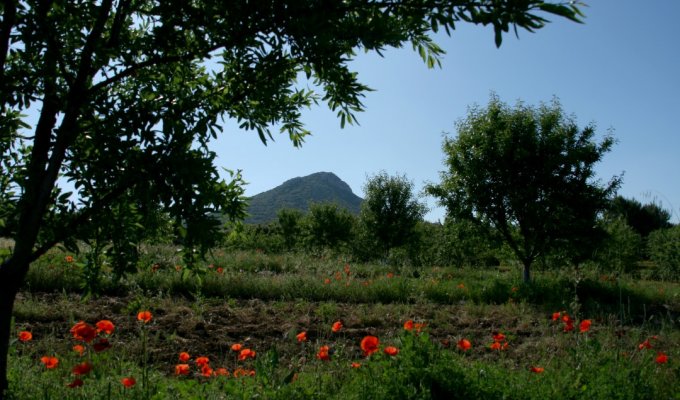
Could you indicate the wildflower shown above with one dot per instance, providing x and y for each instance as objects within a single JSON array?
[
  {"x": 182, "y": 369},
  {"x": 68, "y": 259},
  {"x": 356, "y": 365},
  {"x": 301, "y": 337},
  {"x": 555, "y": 316},
  {"x": 390, "y": 275},
  {"x": 83, "y": 332},
  {"x": 184, "y": 356},
  {"x": 76, "y": 383},
  {"x": 584, "y": 326},
  {"x": 80, "y": 349},
  {"x": 144, "y": 316},
  {"x": 537, "y": 370},
  {"x": 369, "y": 345},
  {"x": 25, "y": 336},
  {"x": 206, "y": 371},
  {"x": 221, "y": 372},
  {"x": 645, "y": 345},
  {"x": 461, "y": 286},
  {"x": 83, "y": 368},
  {"x": 464, "y": 344},
  {"x": 498, "y": 337},
  {"x": 220, "y": 270},
  {"x": 128, "y": 382},
  {"x": 50, "y": 362},
  {"x": 327, "y": 281},
  {"x": 661, "y": 358},
  {"x": 105, "y": 326},
  {"x": 337, "y": 325},
  {"x": 347, "y": 271},
  {"x": 408, "y": 325},
  {"x": 101, "y": 345},
  {"x": 245, "y": 354},
  {"x": 391, "y": 351},
  {"x": 236, "y": 347},
  {"x": 201, "y": 361},
  {"x": 323, "y": 353},
  {"x": 495, "y": 346}
]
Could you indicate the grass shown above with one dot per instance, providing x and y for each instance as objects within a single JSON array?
[{"x": 263, "y": 301}]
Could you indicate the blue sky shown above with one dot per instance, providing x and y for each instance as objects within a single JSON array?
[{"x": 619, "y": 70}]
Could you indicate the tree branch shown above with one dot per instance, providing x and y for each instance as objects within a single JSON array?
[{"x": 8, "y": 20}]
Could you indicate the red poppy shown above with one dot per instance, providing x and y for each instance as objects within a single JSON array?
[
  {"x": 323, "y": 353},
  {"x": 408, "y": 325},
  {"x": 569, "y": 325},
  {"x": 461, "y": 286},
  {"x": 50, "y": 362},
  {"x": 80, "y": 349},
  {"x": 236, "y": 347},
  {"x": 128, "y": 382},
  {"x": 68, "y": 259},
  {"x": 301, "y": 337},
  {"x": 556, "y": 316},
  {"x": 245, "y": 354},
  {"x": 537, "y": 370},
  {"x": 182, "y": 369},
  {"x": 464, "y": 344},
  {"x": 347, "y": 271},
  {"x": 76, "y": 383},
  {"x": 391, "y": 351},
  {"x": 220, "y": 270},
  {"x": 83, "y": 331},
  {"x": 184, "y": 356},
  {"x": 327, "y": 281},
  {"x": 206, "y": 371},
  {"x": 144, "y": 316},
  {"x": 83, "y": 368},
  {"x": 495, "y": 346},
  {"x": 390, "y": 275},
  {"x": 369, "y": 345},
  {"x": 356, "y": 365},
  {"x": 105, "y": 326},
  {"x": 201, "y": 361},
  {"x": 498, "y": 337},
  {"x": 661, "y": 358},
  {"x": 645, "y": 345},
  {"x": 221, "y": 372},
  {"x": 101, "y": 345},
  {"x": 584, "y": 326},
  {"x": 337, "y": 325},
  {"x": 25, "y": 336}
]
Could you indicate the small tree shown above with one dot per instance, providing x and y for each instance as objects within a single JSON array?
[
  {"x": 327, "y": 226},
  {"x": 642, "y": 218},
  {"x": 390, "y": 211},
  {"x": 528, "y": 172},
  {"x": 289, "y": 221}
]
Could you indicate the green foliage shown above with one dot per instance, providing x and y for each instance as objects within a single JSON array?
[
  {"x": 642, "y": 218},
  {"x": 390, "y": 211},
  {"x": 622, "y": 248},
  {"x": 290, "y": 224},
  {"x": 327, "y": 226},
  {"x": 528, "y": 172},
  {"x": 664, "y": 250}
]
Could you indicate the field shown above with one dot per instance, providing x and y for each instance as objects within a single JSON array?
[{"x": 443, "y": 332}]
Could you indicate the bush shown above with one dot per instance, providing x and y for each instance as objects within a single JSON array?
[{"x": 663, "y": 246}]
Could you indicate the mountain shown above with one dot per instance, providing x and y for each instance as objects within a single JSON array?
[{"x": 299, "y": 193}]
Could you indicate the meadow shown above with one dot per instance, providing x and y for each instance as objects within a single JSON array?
[{"x": 293, "y": 326}]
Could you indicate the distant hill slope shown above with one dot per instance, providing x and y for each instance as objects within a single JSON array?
[{"x": 299, "y": 193}]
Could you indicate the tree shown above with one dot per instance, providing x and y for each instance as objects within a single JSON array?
[
  {"x": 327, "y": 225},
  {"x": 642, "y": 218},
  {"x": 390, "y": 210},
  {"x": 289, "y": 221},
  {"x": 129, "y": 94},
  {"x": 528, "y": 172}
]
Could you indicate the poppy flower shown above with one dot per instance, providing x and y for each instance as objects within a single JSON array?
[
  {"x": 337, "y": 325},
  {"x": 584, "y": 326},
  {"x": 555, "y": 316},
  {"x": 128, "y": 382},
  {"x": 25, "y": 336},
  {"x": 182, "y": 369},
  {"x": 495, "y": 346},
  {"x": 301, "y": 337},
  {"x": 461, "y": 286},
  {"x": 661, "y": 358},
  {"x": 105, "y": 326},
  {"x": 50, "y": 362},
  {"x": 79, "y": 348},
  {"x": 101, "y": 345},
  {"x": 390, "y": 275},
  {"x": 645, "y": 345},
  {"x": 236, "y": 347},
  {"x": 347, "y": 270},
  {"x": 83, "y": 368},
  {"x": 245, "y": 354},
  {"x": 144, "y": 316},
  {"x": 323, "y": 353},
  {"x": 220, "y": 270},
  {"x": 222, "y": 372},
  {"x": 408, "y": 325},
  {"x": 68, "y": 259},
  {"x": 356, "y": 365},
  {"x": 537, "y": 370},
  {"x": 243, "y": 372},
  {"x": 83, "y": 332},
  {"x": 369, "y": 345},
  {"x": 206, "y": 371},
  {"x": 569, "y": 326},
  {"x": 391, "y": 351},
  {"x": 464, "y": 344},
  {"x": 201, "y": 361},
  {"x": 76, "y": 383},
  {"x": 327, "y": 281},
  {"x": 184, "y": 356},
  {"x": 498, "y": 337}
]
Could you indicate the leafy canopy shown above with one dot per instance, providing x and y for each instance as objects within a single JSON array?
[{"x": 528, "y": 173}]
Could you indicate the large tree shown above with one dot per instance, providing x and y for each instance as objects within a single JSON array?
[
  {"x": 528, "y": 173},
  {"x": 128, "y": 95}
]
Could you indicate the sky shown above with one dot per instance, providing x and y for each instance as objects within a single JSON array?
[{"x": 619, "y": 70}]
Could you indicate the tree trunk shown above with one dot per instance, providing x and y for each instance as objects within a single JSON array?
[
  {"x": 527, "y": 274},
  {"x": 11, "y": 277}
]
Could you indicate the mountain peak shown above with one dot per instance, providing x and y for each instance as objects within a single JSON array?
[{"x": 299, "y": 193}]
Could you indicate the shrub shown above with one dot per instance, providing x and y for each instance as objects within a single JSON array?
[{"x": 663, "y": 246}]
